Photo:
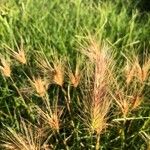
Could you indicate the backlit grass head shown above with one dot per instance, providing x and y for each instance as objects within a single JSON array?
[{"x": 98, "y": 103}]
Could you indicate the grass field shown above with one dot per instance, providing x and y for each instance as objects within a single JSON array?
[{"x": 74, "y": 75}]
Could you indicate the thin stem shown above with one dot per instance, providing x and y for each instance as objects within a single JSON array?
[
  {"x": 124, "y": 119},
  {"x": 97, "y": 147}
]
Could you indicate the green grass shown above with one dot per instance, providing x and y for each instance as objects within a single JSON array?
[{"x": 61, "y": 31}]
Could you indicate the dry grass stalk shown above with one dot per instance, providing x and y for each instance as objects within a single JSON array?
[
  {"x": 146, "y": 138},
  {"x": 5, "y": 67},
  {"x": 29, "y": 138}
]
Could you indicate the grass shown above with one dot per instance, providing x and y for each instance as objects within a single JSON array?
[{"x": 74, "y": 75}]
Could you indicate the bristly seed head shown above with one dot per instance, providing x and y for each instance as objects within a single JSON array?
[
  {"x": 99, "y": 102},
  {"x": 136, "y": 70},
  {"x": 5, "y": 67},
  {"x": 39, "y": 86},
  {"x": 58, "y": 74},
  {"x": 75, "y": 77},
  {"x": 20, "y": 56}
]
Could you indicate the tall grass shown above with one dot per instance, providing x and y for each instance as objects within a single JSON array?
[{"x": 74, "y": 75}]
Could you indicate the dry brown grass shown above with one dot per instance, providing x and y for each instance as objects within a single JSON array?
[
  {"x": 98, "y": 103},
  {"x": 129, "y": 95},
  {"x": 127, "y": 103},
  {"x": 28, "y": 138}
]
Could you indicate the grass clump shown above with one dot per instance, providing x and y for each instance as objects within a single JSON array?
[{"x": 79, "y": 77}]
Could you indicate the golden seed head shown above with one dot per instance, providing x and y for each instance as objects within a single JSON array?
[
  {"x": 58, "y": 75},
  {"x": 137, "y": 71},
  {"x": 51, "y": 117},
  {"x": 74, "y": 79},
  {"x": 39, "y": 86},
  {"x": 99, "y": 111},
  {"x": 136, "y": 101},
  {"x": 130, "y": 71},
  {"x": 5, "y": 68},
  {"x": 20, "y": 56},
  {"x": 145, "y": 71},
  {"x": 54, "y": 122}
]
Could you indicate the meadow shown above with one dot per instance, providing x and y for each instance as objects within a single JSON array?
[{"x": 74, "y": 75}]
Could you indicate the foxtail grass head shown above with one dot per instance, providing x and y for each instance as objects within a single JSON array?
[
  {"x": 39, "y": 86},
  {"x": 29, "y": 137},
  {"x": 5, "y": 67},
  {"x": 50, "y": 118},
  {"x": 53, "y": 70},
  {"x": 134, "y": 69},
  {"x": 98, "y": 103},
  {"x": 18, "y": 54}
]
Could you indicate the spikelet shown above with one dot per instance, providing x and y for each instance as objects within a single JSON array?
[
  {"x": 98, "y": 114},
  {"x": 39, "y": 86},
  {"x": 5, "y": 67},
  {"x": 144, "y": 72},
  {"x": 19, "y": 55},
  {"x": 123, "y": 102},
  {"x": 136, "y": 101},
  {"x": 51, "y": 118},
  {"x": 135, "y": 70},
  {"x": 75, "y": 77},
  {"x": 58, "y": 74},
  {"x": 53, "y": 71},
  {"x": 129, "y": 72}
]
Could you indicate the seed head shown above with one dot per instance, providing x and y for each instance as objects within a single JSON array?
[
  {"x": 5, "y": 67},
  {"x": 39, "y": 86},
  {"x": 58, "y": 74},
  {"x": 20, "y": 56}
]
